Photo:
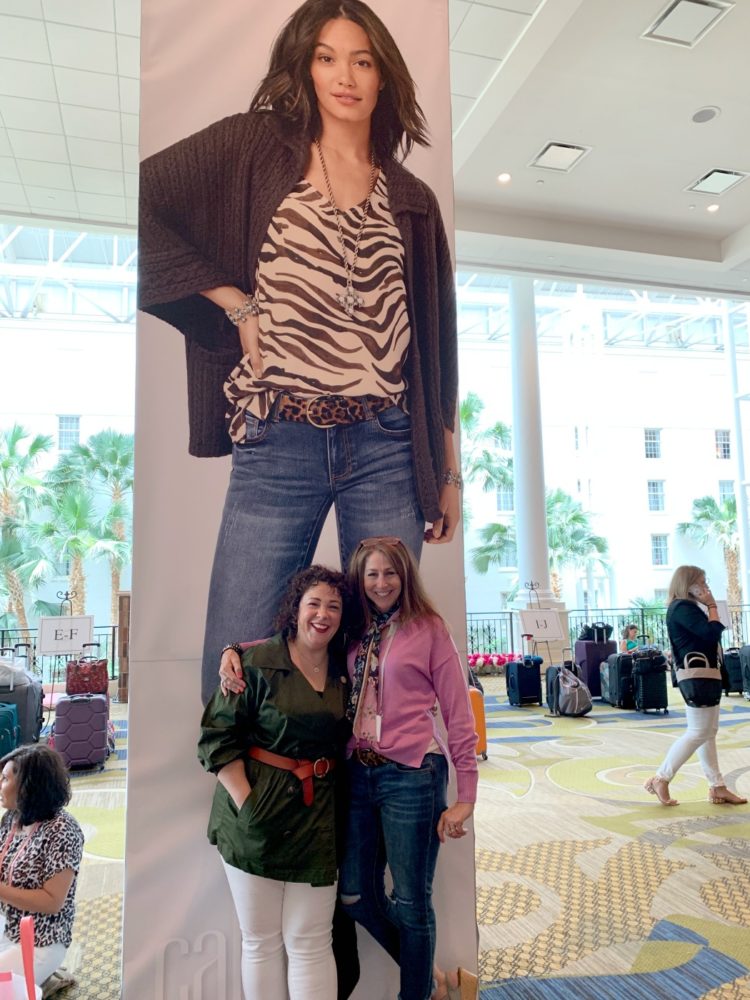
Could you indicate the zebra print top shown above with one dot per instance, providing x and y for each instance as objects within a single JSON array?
[{"x": 308, "y": 343}]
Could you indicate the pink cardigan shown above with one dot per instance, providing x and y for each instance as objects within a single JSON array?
[{"x": 419, "y": 664}]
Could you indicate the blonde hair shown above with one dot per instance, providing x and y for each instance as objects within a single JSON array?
[
  {"x": 414, "y": 601},
  {"x": 683, "y": 578}
]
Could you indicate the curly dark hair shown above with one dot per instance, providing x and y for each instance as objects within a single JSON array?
[
  {"x": 287, "y": 87},
  {"x": 286, "y": 617},
  {"x": 42, "y": 782}
]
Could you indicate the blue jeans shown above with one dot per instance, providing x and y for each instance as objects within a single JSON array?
[
  {"x": 285, "y": 477},
  {"x": 393, "y": 816}
]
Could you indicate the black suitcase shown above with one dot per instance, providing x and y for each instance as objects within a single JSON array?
[
  {"x": 25, "y": 692},
  {"x": 650, "y": 681},
  {"x": 589, "y": 656},
  {"x": 617, "y": 679},
  {"x": 745, "y": 664},
  {"x": 732, "y": 671},
  {"x": 524, "y": 681}
]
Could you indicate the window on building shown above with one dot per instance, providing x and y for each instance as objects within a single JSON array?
[
  {"x": 656, "y": 494},
  {"x": 661, "y": 594},
  {"x": 659, "y": 550},
  {"x": 723, "y": 444},
  {"x": 575, "y": 438},
  {"x": 508, "y": 558},
  {"x": 504, "y": 499},
  {"x": 652, "y": 442},
  {"x": 726, "y": 490},
  {"x": 68, "y": 431}
]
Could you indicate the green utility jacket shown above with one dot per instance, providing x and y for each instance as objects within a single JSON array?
[{"x": 275, "y": 834}]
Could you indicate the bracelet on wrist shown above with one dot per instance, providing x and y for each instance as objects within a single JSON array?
[
  {"x": 709, "y": 606},
  {"x": 451, "y": 478},
  {"x": 240, "y": 313},
  {"x": 235, "y": 646}
]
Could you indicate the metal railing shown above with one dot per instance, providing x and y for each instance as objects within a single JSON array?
[
  {"x": 500, "y": 631},
  {"x": 52, "y": 668}
]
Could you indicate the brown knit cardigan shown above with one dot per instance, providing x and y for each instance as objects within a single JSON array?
[{"x": 205, "y": 207}]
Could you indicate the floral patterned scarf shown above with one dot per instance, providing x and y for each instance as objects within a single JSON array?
[{"x": 368, "y": 652}]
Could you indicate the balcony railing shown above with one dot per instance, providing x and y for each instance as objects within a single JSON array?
[{"x": 52, "y": 668}]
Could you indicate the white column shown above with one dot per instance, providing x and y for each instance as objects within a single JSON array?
[
  {"x": 528, "y": 452},
  {"x": 730, "y": 353}
]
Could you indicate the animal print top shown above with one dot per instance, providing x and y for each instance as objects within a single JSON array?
[
  {"x": 308, "y": 343},
  {"x": 30, "y": 861}
]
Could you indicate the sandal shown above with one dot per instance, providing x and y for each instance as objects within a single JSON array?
[
  {"x": 720, "y": 795},
  {"x": 660, "y": 788}
]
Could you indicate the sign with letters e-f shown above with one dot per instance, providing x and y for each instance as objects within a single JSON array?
[
  {"x": 541, "y": 623},
  {"x": 64, "y": 634}
]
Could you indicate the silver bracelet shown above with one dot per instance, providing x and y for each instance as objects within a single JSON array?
[
  {"x": 240, "y": 313},
  {"x": 452, "y": 478}
]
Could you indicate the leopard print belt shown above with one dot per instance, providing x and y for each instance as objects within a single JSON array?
[{"x": 329, "y": 410}]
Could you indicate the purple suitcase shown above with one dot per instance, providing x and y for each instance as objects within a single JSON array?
[
  {"x": 589, "y": 656},
  {"x": 81, "y": 730}
]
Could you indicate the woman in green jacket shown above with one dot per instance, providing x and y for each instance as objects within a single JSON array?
[{"x": 274, "y": 749}]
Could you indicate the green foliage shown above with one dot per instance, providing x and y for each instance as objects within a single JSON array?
[
  {"x": 570, "y": 539},
  {"x": 482, "y": 450},
  {"x": 712, "y": 522}
]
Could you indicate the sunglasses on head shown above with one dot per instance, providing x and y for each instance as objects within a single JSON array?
[{"x": 369, "y": 543}]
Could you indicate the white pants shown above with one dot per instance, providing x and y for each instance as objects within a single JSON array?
[
  {"x": 286, "y": 937},
  {"x": 46, "y": 959},
  {"x": 702, "y": 727}
]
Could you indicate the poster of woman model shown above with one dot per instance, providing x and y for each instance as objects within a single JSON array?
[{"x": 199, "y": 66}]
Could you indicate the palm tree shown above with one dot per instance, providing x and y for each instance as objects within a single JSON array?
[
  {"x": 570, "y": 539},
  {"x": 717, "y": 522},
  {"x": 105, "y": 461},
  {"x": 497, "y": 540},
  {"x": 71, "y": 532},
  {"x": 482, "y": 458},
  {"x": 20, "y": 493}
]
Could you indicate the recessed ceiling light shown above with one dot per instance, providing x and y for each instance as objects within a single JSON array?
[
  {"x": 717, "y": 181},
  {"x": 561, "y": 156},
  {"x": 707, "y": 114},
  {"x": 712, "y": 208},
  {"x": 685, "y": 22},
  {"x": 503, "y": 178}
]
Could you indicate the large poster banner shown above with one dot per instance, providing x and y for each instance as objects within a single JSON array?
[{"x": 200, "y": 63}]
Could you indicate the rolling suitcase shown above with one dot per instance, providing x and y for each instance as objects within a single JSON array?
[
  {"x": 650, "y": 681},
  {"x": 477, "y": 706},
  {"x": 733, "y": 683},
  {"x": 9, "y": 731},
  {"x": 745, "y": 664},
  {"x": 524, "y": 679},
  {"x": 24, "y": 691},
  {"x": 80, "y": 730},
  {"x": 617, "y": 680},
  {"x": 589, "y": 656}
]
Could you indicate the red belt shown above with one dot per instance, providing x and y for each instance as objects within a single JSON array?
[{"x": 304, "y": 770}]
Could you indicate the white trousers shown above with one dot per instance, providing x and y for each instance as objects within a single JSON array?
[
  {"x": 286, "y": 937},
  {"x": 46, "y": 959},
  {"x": 700, "y": 738}
]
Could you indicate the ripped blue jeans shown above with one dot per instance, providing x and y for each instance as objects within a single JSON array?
[{"x": 393, "y": 816}]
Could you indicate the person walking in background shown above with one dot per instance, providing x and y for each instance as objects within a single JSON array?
[{"x": 692, "y": 629}]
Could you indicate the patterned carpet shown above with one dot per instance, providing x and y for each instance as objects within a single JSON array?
[{"x": 588, "y": 888}]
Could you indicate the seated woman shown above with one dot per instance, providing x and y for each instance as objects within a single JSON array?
[
  {"x": 628, "y": 641},
  {"x": 274, "y": 749},
  {"x": 41, "y": 846}
]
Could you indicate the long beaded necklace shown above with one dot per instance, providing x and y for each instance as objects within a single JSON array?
[{"x": 348, "y": 300}]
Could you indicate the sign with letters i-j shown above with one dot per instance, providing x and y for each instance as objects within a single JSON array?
[{"x": 64, "y": 634}]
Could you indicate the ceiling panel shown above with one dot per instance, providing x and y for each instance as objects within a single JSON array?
[
  {"x": 24, "y": 8},
  {"x": 51, "y": 199},
  {"x": 87, "y": 152},
  {"x": 9, "y": 171},
  {"x": 525, "y": 6},
  {"x": 88, "y": 90},
  {"x": 128, "y": 17},
  {"x": 21, "y": 34},
  {"x": 91, "y": 123},
  {"x": 128, "y": 56},
  {"x": 13, "y": 196},
  {"x": 22, "y": 112},
  {"x": 460, "y": 107},
  {"x": 470, "y": 74},
  {"x": 129, "y": 96},
  {"x": 94, "y": 181},
  {"x": 129, "y": 125},
  {"x": 5, "y": 149},
  {"x": 50, "y": 175},
  {"x": 102, "y": 206},
  {"x": 81, "y": 48},
  {"x": 487, "y": 31},
  {"x": 457, "y": 11},
  {"x": 98, "y": 14},
  {"x": 38, "y": 146},
  {"x": 30, "y": 79}
]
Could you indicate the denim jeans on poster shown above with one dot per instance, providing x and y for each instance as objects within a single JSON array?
[
  {"x": 285, "y": 478},
  {"x": 393, "y": 816}
]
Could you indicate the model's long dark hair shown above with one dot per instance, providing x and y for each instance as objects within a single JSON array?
[{"x": 287, "y": 88}]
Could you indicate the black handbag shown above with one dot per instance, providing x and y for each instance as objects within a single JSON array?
[
  {"x": 597, "y": 632},
  {"x": 698, "y": 681}
]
